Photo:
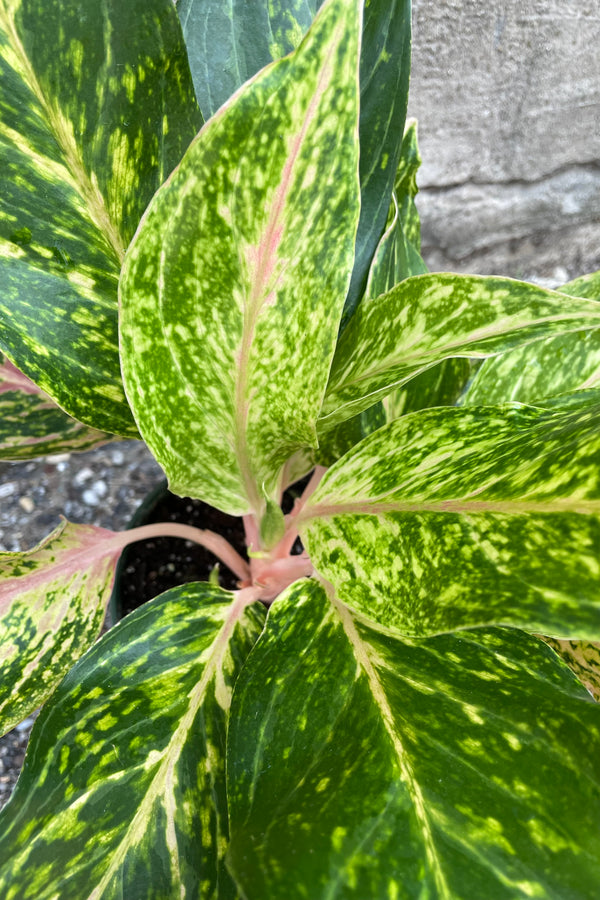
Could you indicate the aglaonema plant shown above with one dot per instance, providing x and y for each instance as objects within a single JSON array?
[{"x": 379, "y": 715}]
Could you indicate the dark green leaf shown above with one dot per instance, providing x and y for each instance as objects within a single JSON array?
[
  {"x": 363, "y": 765},
  {"x": 96, "y": 108},
  {"x": 123, "y": 791}
]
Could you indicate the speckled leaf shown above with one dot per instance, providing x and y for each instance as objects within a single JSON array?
[
  {"x": 363, "y": 765},
  {"x": 233, "y": 288},
  {"x": 442, "y": 385},
  {"x": 53, "y": 599},
  {"x": 229, "y": 43},
  {"x": 32, "y": 425},
  {"x": 343, "y": 437},
  {"x": 398, "y": 253},
  {"x": 451, "y": 517},
  {"x": 583, "y": 657},
  {"x": 96, "y": 108},
  {"x": 535, "y": 372},
  {"x": 565, "y": 363},
  {"x": 429, "y": 318},
  {"x": 585, "y": 286},
  {"x": 123, "y": 790}
]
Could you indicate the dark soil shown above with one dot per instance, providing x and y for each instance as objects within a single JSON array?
[{"x": 148, "y": 568}]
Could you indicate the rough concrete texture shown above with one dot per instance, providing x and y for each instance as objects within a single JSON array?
[{"x": 508, "y": 101}]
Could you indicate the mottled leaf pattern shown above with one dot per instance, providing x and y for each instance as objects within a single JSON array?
[
  {"x": 233, "y": 288},
  {"x": 363, "y": 765},
  {"x": 583, "y": 657},
  {"x": 532, "y": 373},
  {"x": 585, "y": 286},
  {"x": 32, "y": 425},
  {"x": 123, "y": 790},
  {"x": 229, "y": 43},
  {"x": 433, "y": 317},
  {"x": 398, "y": 253},
  {"x": 96, "y": 108},
  {"x": 450, "y": 518},
  {"x": 442, "y": 385},
  {"x": 53, "y": 599}
]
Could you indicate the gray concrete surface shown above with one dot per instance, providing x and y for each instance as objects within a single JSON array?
[{"x": 507, "y": 95}]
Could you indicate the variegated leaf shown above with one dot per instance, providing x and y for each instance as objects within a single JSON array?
[
  {"x": 398, "y": 254},
  {"x": 535, "y": 372},
  {"x": 429, "y": 318},
  {"x": 96, "y": 108},
  {"x": 123, "y": 790},
  {"x": 538, "y": 371},
  {"x": 32, "y": 425},
  {"x": 442, "y": 385},
  {"x": 451, "y": 518},
  {"x": 229, "y": 43},
  {"x": 585, "y": 286},
  {"x": 343, "y": 437},
  {"x": 232, "y": 290},
  {"x": 583, "y": 657},
  {"x": 53, "y": 599},
  {"x": 364, "y": 765}
]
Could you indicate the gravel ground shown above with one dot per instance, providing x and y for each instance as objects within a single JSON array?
[{"x": 101, "y": 487}]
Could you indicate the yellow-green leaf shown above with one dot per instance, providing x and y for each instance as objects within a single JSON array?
[
  {"x": 233, "y": 288},
  {"x": 451, "y": 518},
  {"x": 32, "y": 425}
]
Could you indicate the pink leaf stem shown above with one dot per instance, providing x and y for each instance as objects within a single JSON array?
[{"x": 206, "y": 538}]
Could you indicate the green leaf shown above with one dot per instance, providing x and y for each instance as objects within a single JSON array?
[
  {"x": 585, "y": 286},
  {"x": 233, "y": 288},
  {"x": 53, "y": 599},
  {"x": 335, "y": 443},
  {"x": 538, "y": 371},
  {"x": 31, "y": 424},
  {"x": 229, "y": 43},
  {"x": 123, "y": 790},
  {"x": 427, "y": 319},
  {"x": 363, "y": 765},
  {"x": 451, "y": 518},
  {"x": 398, "y": 253},
  {"x": 583, "y": 658},
  {"x": 96, "y": 108},
  {"x": 442, "y": 385}
]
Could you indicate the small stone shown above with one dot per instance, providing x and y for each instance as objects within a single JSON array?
[
  {"x": 58, "y": 458},
  {"x": 26, "y": 504},
  {"x": 118, "y": 457},
  {"x": 90, "y": 498},
  {"x": 6, "y": 490},
  {"x": 100, "y": 488},
  {"x": 83, "y": 475},
  {"x": 25, "y": 725}
]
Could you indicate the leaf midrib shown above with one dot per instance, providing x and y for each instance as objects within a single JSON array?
[
  {"x": 81, "y": 181},
  {"x": 367, "y": 507},
  {"x": 159, "y": 783},
  {"x": 362, "y": 657}
]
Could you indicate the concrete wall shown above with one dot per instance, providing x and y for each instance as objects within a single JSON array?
[{"x": 507, "y": 94}]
